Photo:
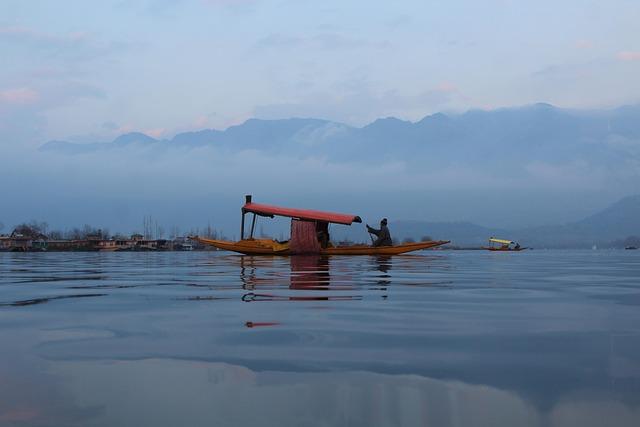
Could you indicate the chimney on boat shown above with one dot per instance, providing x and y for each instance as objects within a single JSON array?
[{"x": 247, "y": 198}]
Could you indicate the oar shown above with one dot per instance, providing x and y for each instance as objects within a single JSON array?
[{"x": 370, "y": 235}]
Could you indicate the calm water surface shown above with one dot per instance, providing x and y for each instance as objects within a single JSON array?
[{"x": 214, "y": 339}]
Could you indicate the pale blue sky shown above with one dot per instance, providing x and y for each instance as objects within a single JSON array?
[
  {"x": 94, "y": 69},
  {"x": 88, "y": 71}
]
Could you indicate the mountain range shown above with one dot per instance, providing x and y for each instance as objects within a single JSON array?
[
  {"x": 607, "y": 228},
  {"x": 508, "y": 139}
]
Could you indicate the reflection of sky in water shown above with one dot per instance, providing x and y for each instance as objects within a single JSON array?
[{"x": 452, "y": 338}]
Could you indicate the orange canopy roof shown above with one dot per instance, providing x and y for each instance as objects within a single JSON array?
[{"x": 306, "y": 214}]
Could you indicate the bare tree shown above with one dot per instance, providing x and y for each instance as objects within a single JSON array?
[
  {"x": 56, "y": 235},
  {"x": 210, "y": 232},
  {"x": 33, "y": 229},
  {"x": 86, "y": 231}
]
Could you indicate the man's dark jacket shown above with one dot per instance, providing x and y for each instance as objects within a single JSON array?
[{"x": 384, "y": 237}]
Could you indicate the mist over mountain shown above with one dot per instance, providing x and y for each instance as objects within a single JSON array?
[
  {"x": 531, "y": 140},
  {"x": 506, "y": 169}
]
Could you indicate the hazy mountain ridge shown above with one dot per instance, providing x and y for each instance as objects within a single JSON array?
[
  {"x": 603, "y": 229},
  {"x": 124, "y": 141},
  {"x": 460, "y": 233},
  {"x": 618, "y": 221},
  {"x": 508, "y": 138}
]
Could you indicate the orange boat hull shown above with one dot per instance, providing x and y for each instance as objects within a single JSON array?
[{"x": 270, "y": 247}]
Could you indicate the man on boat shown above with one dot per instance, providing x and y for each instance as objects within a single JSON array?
[
  {"x": 384, "y": 237},
  {"x": 322, "y": 231}
]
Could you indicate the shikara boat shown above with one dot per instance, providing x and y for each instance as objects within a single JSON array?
[
  {"x": 502, "y": 245},
  {"x": 320, "y": 221}
]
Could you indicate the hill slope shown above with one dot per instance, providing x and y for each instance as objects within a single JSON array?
[{"x": 615, "y": 223}]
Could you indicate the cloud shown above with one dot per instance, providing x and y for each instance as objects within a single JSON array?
[
  {"x": 19, "y": 33},
  {"x": 277, "y": 40},
  {"x": 324, "y": 41},
  {"x": 238, "y": 7},
  {"x": 217, "y": 391},
  {"x": 49, "y": 71},
  {"x": 399, "y": 21},
  {"x": 584, "y": 44},
  {"x": 111, "y": 126},
  {"x": 156, "y": 132},
  {"x": 49, "y": 95},
  {"x": 358, "y": 103},
  {"x": 573, "y": 69},
  {"x": 574, "y": 175},
  {"x": 628, "y": 55},
  {"x": 19, "y": 96},
  {"x": 23, "y": 110},
  {"x": 229, "y": 2},
  {"x": 600, "y": 81},
  {"x": 66, "y": 46}
]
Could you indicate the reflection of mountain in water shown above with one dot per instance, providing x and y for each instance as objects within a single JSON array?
[{"x": 174, "y": 392}]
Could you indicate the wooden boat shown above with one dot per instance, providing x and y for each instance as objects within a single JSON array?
[
  {"x": 504, "y": 249},
  {"x": 502, "y": 245},
  {"x": 272, "y": 247},
  {"x": 252, "y": 246}
]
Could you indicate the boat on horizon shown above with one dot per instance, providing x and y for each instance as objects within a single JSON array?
[
  {"x": 503, "y": 245},
  {"x": 308, "y": 227}
]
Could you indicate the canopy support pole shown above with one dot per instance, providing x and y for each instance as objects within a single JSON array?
[
  {"x": 253, "y": 225},
  {"x": 242, "y": 227},
  {"x": 247, "y": 199}
]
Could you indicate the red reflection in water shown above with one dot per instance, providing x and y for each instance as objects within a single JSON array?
[
  {"x": 260, "y": 324},
  {"x": 309, "y": 272},
  {"x": 269, "y": 297}
]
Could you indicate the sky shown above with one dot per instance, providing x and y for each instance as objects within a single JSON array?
[{"x": 85, "y": 70}]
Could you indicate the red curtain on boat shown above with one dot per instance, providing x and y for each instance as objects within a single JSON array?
[{"x": 304, "y": 239}]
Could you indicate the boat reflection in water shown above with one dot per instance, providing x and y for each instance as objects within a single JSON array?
[
  {"x": 323, "y": 278},
  {"x": 309, "y": 273},
  {"x": 383, "y": 265}
]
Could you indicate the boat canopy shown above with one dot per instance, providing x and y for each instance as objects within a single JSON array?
[
  {"x": 304, "y": 214},
  {"x": 501, "y": 241}
]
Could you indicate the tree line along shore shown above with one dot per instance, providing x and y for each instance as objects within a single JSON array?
[{"x": 35, "y": 237}]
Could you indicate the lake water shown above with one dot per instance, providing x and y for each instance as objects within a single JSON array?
[{"x": 442, "y": 338}]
